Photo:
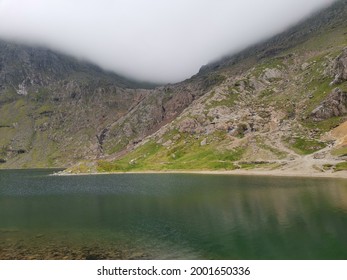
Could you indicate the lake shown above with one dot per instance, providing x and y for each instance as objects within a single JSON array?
[{"x": 170, "y": 216}]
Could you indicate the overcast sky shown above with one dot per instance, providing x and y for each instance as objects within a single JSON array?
[{"x": 153, "y": 40}]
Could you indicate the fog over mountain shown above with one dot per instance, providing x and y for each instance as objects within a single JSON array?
[{"x": 153, "y": 40}]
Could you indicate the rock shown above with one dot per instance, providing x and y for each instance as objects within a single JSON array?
[
  {"x": 22, "y": 90},
  {"x": 272, "y": 74},
  {"x": 188, "y": 126},
  {"x": 340, "y": 68},
  {"x": 176, "y": 137},
  {"x": 334, "y": 105},
  {"x": 305, "y": 66},
  {"x": 255, "y": 84},
  {"x": 168, "y": 143},
  {"x": 203, "y": 142},
  {"x": 319, "y": 155},
  {"x": 240, "y": 130}
]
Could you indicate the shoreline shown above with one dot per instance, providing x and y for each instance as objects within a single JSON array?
[{"x": 268, "y": 173}]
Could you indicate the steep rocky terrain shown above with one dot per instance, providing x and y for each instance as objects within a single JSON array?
[
  {"x": 275, "y": 108},
  {"x": 56, "y": 111},
  {"x": 278, "y": 105}
]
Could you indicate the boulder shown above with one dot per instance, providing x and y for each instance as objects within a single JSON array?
[
  {"x": 203, "y": 142},
  {"x": 335, "y": 105},
  {"x": 340, "y": 68},
  {"x": 272, "y": 74}
]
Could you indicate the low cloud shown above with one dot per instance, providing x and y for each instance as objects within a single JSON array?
[{"x": 152, "y": 40}]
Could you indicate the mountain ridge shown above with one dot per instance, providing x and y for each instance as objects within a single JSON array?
[
  {"x": 54, "y": 65},
  {"x": 223, "y": 118},
  {"x": 298, "y": 33}
]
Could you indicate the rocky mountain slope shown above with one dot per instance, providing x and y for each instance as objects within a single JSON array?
[
  {"x": 276, "y": 107},
  {"x": 56, "y": 111},
  {"x": 280, "y": 104}
]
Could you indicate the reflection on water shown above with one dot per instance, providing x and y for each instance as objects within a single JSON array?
[{"x": 176, "y": 215}]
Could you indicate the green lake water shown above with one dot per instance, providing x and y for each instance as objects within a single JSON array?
[{"x": 173, "y": 216}]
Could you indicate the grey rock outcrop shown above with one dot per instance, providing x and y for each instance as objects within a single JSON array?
[
  {"x": 272, "y": 74},
  {"x": 340, "y": 68},
  {"x": 334, "y": 105}
]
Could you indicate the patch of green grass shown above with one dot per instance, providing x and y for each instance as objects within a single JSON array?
[
  {"x": 266, "y": 93},
  {"x": 340, "y": 152},
  {"x": 80, "y": 168},
  {"x": 341, "y": 166},
  {"x": 107, "y": 166},
  {"x": 171, "y": 135},
  {"x": 213, "y": 80},
  {"x": 177, "y": 151},
  {"x": 19, "y": 103},
  {"x": 326, "y": 125},
  {"x": 8, "y": 95},
  {"x": 260, "y": 164},
  {"x": 40, "y": 96},
  {"x": 45, "y": 109},
  {"x": 41, "y": 121},
  {"x": 324, "y": 41},
  {"x": 229, "y": 101},
  {"x": 136, "y": 160},
  {"x": 186, "y": 154},
  {"x": 305, "y": 146},
  {"x": 343, "y": 86},
  {"x": 273, "y": 63},
  {"x": 196, "y": 157},
  {"x": 3, "y": 151},
  {"x": 13, "y": 112},
  {"x": 327, "y": 167},
  {"x": 111, "y": 149}
]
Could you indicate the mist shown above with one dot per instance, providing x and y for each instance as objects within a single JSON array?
[{"x": 153, "y": 40}]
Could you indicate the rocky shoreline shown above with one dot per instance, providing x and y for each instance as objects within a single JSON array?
[
  {"x": 296, "y": 170},
  {"x": 63, "y": 252},
  {"x": 15, "y": 246}
]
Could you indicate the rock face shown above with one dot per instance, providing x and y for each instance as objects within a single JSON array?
[
  {"x": 340, "y": 68},
  {"x": 62, "y": 111},
  {"x": 26, "y": 67},
  {"x": 335, "y": 105},
  {"x": 272, "y": 74},
  {"x": 287, "y": 39}
]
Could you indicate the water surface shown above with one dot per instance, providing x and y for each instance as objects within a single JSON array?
[{"x": 171, "y": 216}]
